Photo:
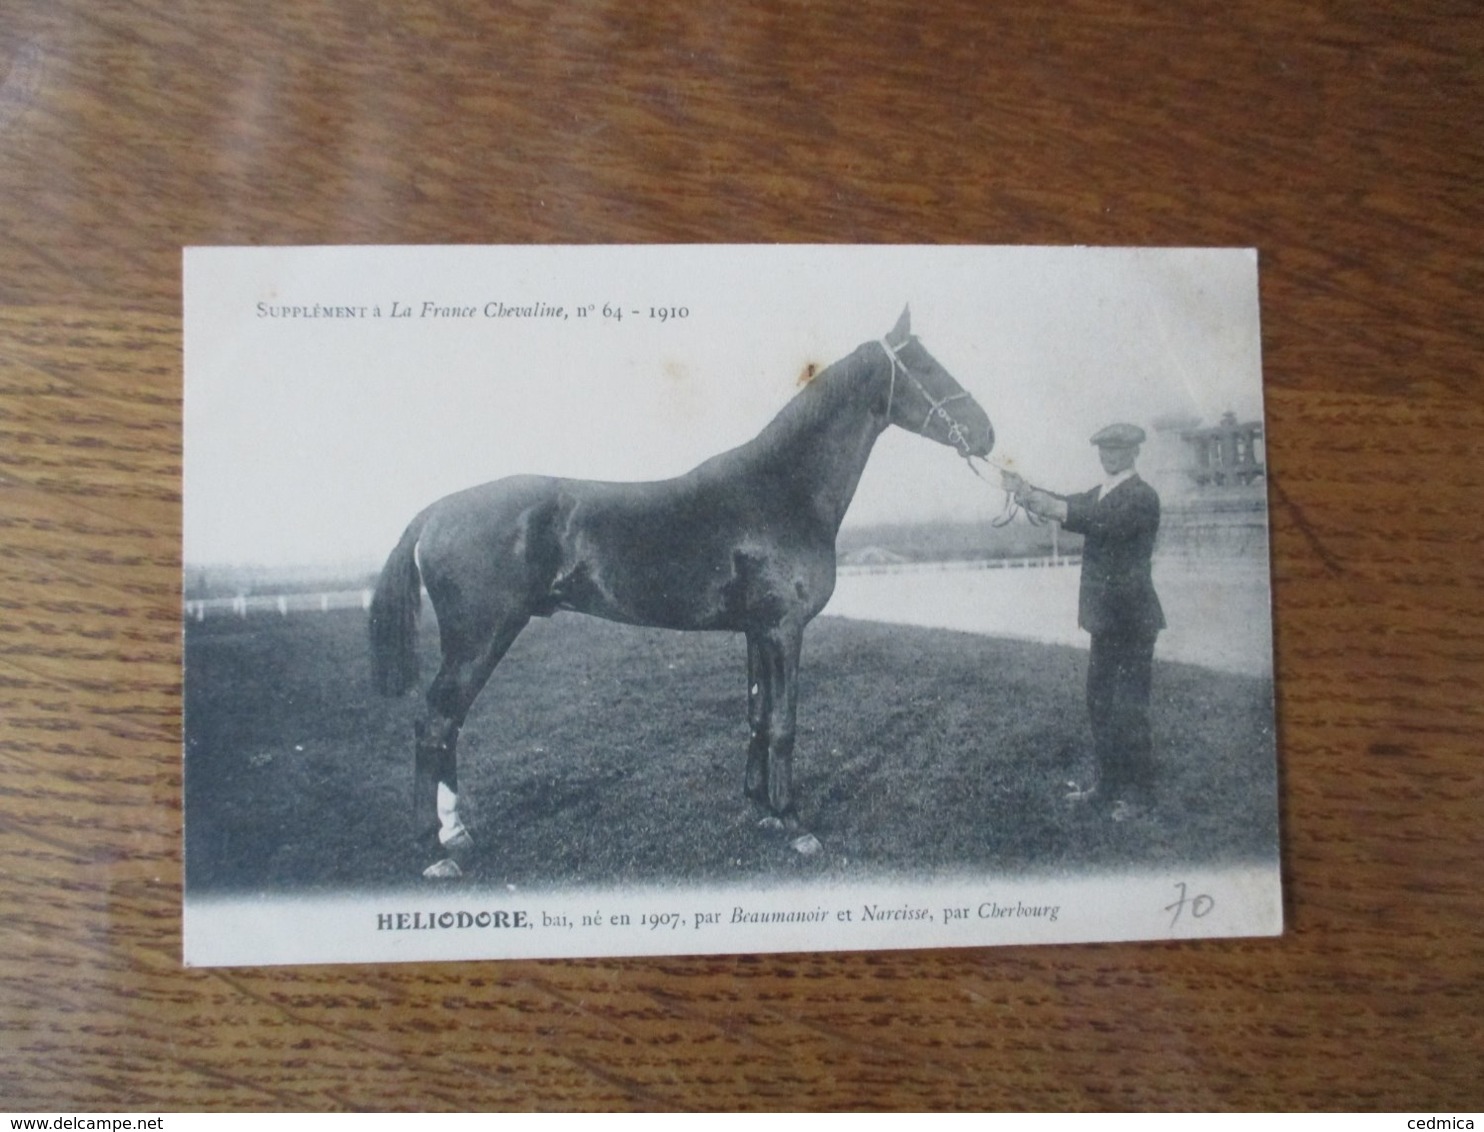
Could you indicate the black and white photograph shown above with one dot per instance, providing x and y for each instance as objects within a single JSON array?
[{"x": 619, "y": 600}]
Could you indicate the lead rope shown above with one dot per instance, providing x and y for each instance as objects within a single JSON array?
[{"x": 1011, "y": 509}]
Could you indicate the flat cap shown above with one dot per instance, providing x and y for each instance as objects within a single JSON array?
[{"x": 1119, "y": 436}]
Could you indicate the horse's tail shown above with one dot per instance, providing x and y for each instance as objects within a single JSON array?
[{"x": 394, "y": 610}]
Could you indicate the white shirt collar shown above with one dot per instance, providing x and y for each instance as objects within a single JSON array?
[{"x": 1113, "y": 481}]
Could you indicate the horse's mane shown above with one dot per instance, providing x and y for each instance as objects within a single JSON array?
[{"x": 821, "y": 399}]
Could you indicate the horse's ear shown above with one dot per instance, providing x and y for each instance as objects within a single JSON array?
[{"x": 903, "y": 329}]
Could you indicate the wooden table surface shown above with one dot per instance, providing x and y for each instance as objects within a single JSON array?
[{"x": 1343, "y": 140}]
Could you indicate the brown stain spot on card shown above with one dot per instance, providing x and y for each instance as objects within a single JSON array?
[
  {"x": 806, "y": 375},
  {"x": 685, "y": 395}
]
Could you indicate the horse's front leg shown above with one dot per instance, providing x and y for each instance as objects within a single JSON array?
[
  {"x": 756, "y": 781},
  {"x": 773, "y": 698},
  {"x": 781, "y": 661}
]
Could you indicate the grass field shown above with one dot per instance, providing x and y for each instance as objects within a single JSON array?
[{"x": 601, "y": 755}]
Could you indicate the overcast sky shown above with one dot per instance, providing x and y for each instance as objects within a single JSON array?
[{"x": 315, "y": 440}]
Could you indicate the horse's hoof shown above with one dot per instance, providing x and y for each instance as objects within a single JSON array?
[
  {"x": 460, "y": 841},
  {"x": 770, "y": 822},
  {"x": 807, "y": 845},
  {"x": 443, "y": 870}
]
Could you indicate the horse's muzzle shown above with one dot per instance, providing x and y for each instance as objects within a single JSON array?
[{"x": 977, "y": 435}]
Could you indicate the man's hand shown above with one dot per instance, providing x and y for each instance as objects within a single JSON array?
[
  {"x": 1013, "y": 483},
  {"x": 1033, "y": 499},
  {"x": 1042, "y": 503}
]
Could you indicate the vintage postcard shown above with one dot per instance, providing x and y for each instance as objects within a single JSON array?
[{"x": 594, "y": 601}]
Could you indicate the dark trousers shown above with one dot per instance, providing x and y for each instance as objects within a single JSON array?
[{"x": 1119, "y": 672}]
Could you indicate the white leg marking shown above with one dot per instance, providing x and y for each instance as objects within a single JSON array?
[{"x": 451, "y": 831}]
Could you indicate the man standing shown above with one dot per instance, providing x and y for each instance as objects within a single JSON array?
[{"x": 1117, "y": 605}]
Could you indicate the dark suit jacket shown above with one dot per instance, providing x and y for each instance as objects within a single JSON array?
[{"x": 1117, "y": 594}]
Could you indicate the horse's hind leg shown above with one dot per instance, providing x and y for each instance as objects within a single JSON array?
[{"x": 468, "y": 661}]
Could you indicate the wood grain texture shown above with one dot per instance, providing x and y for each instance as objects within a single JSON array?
[{"x": 1341, "y": 139}]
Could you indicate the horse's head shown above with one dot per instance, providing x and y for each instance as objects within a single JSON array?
[{"x": 923, "y": 397}]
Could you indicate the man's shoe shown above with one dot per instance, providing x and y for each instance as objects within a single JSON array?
[
  {"x": 1081, "y": 794},
  {"x": 1124, "y": 810}
]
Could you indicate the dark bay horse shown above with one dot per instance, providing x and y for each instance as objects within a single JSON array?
[{"x": 745, "y": 542}]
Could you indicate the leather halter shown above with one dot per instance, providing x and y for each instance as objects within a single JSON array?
[{"x": 935, "y": 407}]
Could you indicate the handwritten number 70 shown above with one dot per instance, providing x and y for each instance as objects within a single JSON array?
[{"x": 1198, "y": 905}]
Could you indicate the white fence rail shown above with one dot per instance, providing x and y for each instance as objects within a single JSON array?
[
  {"x": 853, "y": 568},
  {"x": 1218, "y": 609},
  {"x": 198, "y": 609}
]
